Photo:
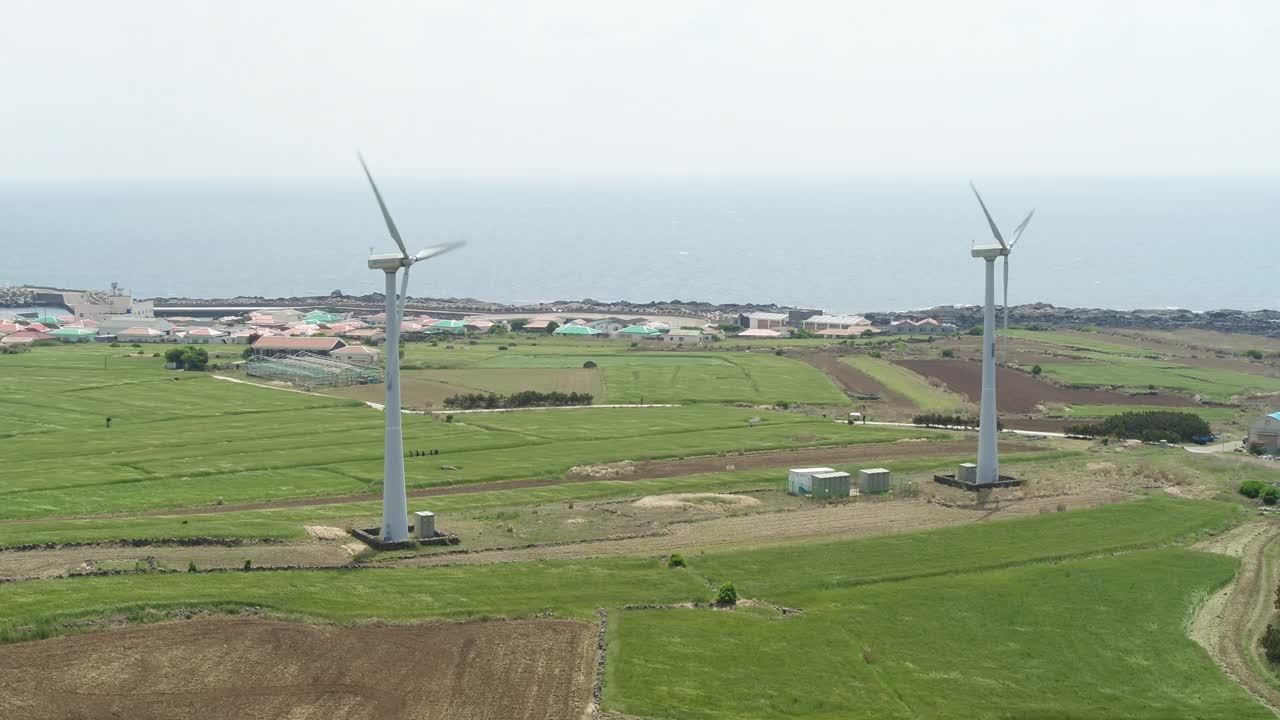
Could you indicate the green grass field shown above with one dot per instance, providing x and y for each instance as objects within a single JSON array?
[
  {"x": 904, "y": 382},
  {"x": 1210, "y": 414},
  {"x": 186, "y": 439},
  {"x": 1143, "y": 373},
  {"x": 1080, "y": 341},
  {"x": 630, "y": 375}
]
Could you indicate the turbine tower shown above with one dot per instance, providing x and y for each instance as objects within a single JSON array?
[
  {"x": 395, "y": 511},
  {"x": 988, "y": 460}
]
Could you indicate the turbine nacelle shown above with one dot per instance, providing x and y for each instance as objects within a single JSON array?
[
  {"x": 388, "y": 263},
  {"x": 989, "y": 252}
]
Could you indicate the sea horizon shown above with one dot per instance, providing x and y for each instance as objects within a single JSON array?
[{"x": 841, "y": 245}]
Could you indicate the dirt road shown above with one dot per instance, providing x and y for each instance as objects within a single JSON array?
[
  {"x": 1228, "y": 623},
  {"x": 823, "y": 523}
]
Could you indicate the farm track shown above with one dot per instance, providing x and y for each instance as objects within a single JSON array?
[
  {"x": 1228, "y": 623},
  {"x": 236, "y": 669},
  {"x": 644, "y": 471},
  {"x": 829, "y": 523}
]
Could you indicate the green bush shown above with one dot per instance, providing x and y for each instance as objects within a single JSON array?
[
  {"x": 778, "y": 352},
  {"x": 191, "y": 566},
  {"x": 1252, "y": 488},
  {"x": 1271, "y": 495},
  {"x": 727, "y": 594},
  {"x": 114, "y": 344},
  {"x": 975, "y": 330},
  {"x": 1270, "y": 642},
  {"x": 947, "y": 353},
  {"x": 1036, "y": 369},
  {"x": 1253, "y": 354},
  {"x": 676, "y": 561},
  {"x": 248, "y": 565},
  {"x": 875, "y": 353}
]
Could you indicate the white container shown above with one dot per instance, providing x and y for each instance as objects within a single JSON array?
[
  {"x": 967, "y": 473},
  {"x": 798, "y": 479},
  {"x": 873, "y": 480},
  {"x": 424, "y": 524}
]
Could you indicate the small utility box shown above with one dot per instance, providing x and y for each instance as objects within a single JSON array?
[
  {"x": 967, "y": 473},
  {"x": 827, "y": 485},
  {"x": 855, "y": 418},
  {"x": 873, "y": 480},
  {"x": 424, "y": 524}
]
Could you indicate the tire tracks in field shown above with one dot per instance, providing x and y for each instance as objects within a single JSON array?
[{"x": 1227, "y": 625}]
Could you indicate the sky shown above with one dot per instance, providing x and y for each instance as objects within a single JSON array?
[{"x": 613, "y": 88}]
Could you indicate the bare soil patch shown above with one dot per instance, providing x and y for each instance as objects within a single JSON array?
[
  {"x": 700, "y": 501},
  {"x": 1020, "y": 392},
  {"x": 322, "y": 532},
  {"x": 264, "y": 670}
]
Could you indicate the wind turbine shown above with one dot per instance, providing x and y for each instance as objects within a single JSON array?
[
  {"x": 988, "y": 460},
  {"x": 395, "y": 511}
]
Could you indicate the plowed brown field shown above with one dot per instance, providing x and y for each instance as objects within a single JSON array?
[
  {"x": 265, "y": 670},
  {"x": 1020, "y": 393}
]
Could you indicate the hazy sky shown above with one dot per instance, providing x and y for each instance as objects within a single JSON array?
[{"x": 609, "y": 88}]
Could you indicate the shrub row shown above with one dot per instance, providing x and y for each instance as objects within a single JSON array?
[{"x": 524, "y": 398}]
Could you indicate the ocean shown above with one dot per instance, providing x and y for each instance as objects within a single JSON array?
[{"x": 835, "y": 245}]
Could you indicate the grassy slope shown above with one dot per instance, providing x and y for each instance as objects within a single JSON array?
[
  {"x": 901, "y": 380},
  {"x": 1092, "y": 638}
]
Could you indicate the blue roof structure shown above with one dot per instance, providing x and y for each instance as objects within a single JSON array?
[{"x": 1275, "y": 415}]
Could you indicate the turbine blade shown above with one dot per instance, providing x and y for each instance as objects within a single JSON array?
[
  {"x": 994, "y": 230},
  {"x": 404, "y": 297},
  {"x": 386, "y": 214},
  {"x": 1017, "y": 232},
  {"x": 436, "y": 250}
]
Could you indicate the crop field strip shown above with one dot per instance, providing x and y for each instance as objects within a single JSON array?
[
  {"x": 286, "y": 523},
  {"x": 910, "y": 385}
]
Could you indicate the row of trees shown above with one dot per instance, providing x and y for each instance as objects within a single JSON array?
[
  {"x": 945, "y": 420},
  {"x": 524, "y": 398},
  {"x": 1148, "y": 426}
]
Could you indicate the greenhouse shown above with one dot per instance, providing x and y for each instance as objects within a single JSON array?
[{"x": 309, "y": 370}]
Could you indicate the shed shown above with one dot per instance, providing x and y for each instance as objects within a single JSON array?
[
  {"x": 827, "y": 485},
  {"x": 873, "y": 480},
  {"x": 798, "y": 479}
]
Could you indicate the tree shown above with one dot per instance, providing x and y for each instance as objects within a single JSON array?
[
  {"x": 195, "y": 358},
  {"x": 1253, "y": 354},
  {"x": 727, "y": 594},
  {"x": 174, "y": 355},
  {"x": 552, "y": 327},
  {"x": 519, "y": 324},
  {"x": 730, "y": 328},
  {"x": 1036, "y": 369}
]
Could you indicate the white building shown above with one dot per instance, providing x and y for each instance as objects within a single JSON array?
[
  {"x": 684, "y": 337},
  {"x": 766, "y": 320},
  {"x": 835, "y": 322}
]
